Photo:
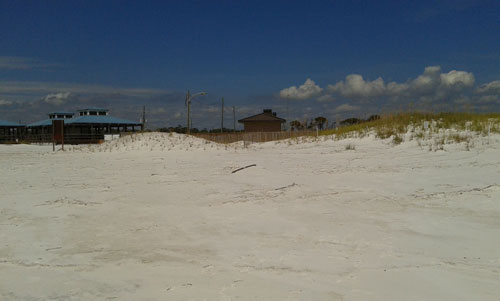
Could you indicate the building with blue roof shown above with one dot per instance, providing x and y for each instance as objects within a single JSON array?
[
  {"x": 10, "y": 131},
  {"x": 89, "y": 126}
]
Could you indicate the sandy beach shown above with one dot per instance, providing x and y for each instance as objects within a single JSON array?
[{"x": 163, "y": 217}]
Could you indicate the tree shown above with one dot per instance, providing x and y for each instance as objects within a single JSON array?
[
  {"x": 373, "y": 117},
  {"x": 350, "y": 121},
  {"x": 320, "y": 122},
  {"x": 296, "y": 125}
]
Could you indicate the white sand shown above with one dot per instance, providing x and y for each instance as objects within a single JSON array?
[{"x": 159, "y": 217}]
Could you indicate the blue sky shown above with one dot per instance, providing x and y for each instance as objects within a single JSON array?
[{"x": 332, "y": 58}]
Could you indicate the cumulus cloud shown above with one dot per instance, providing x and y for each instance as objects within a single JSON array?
[
  {"x": 431, "y": 85},
  {"x": 306, "y": 91},
  {"x": 326, "y": 98},
  {"x": 4, "y": 102},
  {"x": 491, "y": 88},
  {"x": 346, "y": 108},
  {"x": 488, "y": 99},
  {"x": 457, "y": 80},
  {"x": 426, "y": 83},
  {"x": 355, "y": 86},
  {"x": 57, "y": 98}
]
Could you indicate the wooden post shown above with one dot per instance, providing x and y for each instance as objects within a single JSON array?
[
  {"x": 57, "y": 133},
  {"x": 62, "y": 135},
  {"x": 53, "y": 138}
]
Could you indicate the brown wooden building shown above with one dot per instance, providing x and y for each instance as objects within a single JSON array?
[{"x": 263, "y": 122}]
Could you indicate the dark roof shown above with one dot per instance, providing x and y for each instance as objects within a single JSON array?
[
  {"x": 100, "y": 119},
  {"x": 4, "y": 123},
  {"x": 94, "y": 109},
  {"x": 92, "y": 119},
  {"x": 267, "y": 115},
  {"x": 46, "y": 122},
  {"x": 61, "y": 113}
]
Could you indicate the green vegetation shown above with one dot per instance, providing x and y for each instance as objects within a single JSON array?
[
  {"x": 350, "y": 147},
  {"x": 420, "y": 124},
  {"x": 432, "y": 130}
]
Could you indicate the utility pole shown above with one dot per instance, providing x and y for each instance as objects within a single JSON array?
[
  {"x": 188, "y": 104},
  {"x": 234, "y": 120},
  {"x": 189, "y": 97},
  {"x": 288, "y": 127},
  {"x": 222, "y": 117},
  {"x": 143, "y": 117}
]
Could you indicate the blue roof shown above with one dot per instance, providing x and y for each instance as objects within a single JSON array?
[
  {"x": 93, "y": 109},
  {"x": 61, "y": 113},
  {"x": 45, "y": 122},
  {"x": 86, "y": 120},
  {"x": 8, "y": 123},
  {"x": 100, "y": 120}
]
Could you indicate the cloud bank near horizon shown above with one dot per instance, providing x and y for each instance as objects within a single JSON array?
[
  {"x": 433, "y": 86},
  {"x": 352, "y": 96},
  {"x": 24, "y": 63}
]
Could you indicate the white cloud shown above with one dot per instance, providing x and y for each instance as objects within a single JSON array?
[
  {"x": 488, "y": 99},
  {"x": 308, "y": 90},
  {"x": 491, "y": 88},
  {"x": 355, "y": 86},
  {"x": 457, "y": 80},
  {"x": 425, "y": 83},
  {"x": 211, "y": 109},
  {"x": 4, "y": 102},
  {"x": 23, "y": 63},
  {"x": 37, "y": 88},
  {"x": 462, "y": 100},
  {"x": 346, "y": 108},
  {"x": 57, "y": 98},
  {"x": 158, "y": 111},
  {"x": 431, "y": 85},
  {"x": 326, "y": 98}
]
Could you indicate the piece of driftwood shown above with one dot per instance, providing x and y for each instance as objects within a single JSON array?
[
  {"x": 236, "y": 170},
  {"x": 285, "y": 187}
]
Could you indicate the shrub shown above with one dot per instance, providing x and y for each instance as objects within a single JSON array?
[
  {"x": 350, "y": 147},
  {"x": 397, "y": 139}
]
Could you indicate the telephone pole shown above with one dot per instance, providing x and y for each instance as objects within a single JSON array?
[
  {"x": 234, "y": 120},
  {"x": 143, "y": 117},
  {"x": 288, "y": 127},
  {"x": 222, "y": 117},
  {"x": 188, "y": 104}
]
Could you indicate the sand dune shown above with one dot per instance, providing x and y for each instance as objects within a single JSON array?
[{"x": 162, "y": 217}]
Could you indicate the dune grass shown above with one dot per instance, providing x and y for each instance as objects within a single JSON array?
[
  {"x": 395, "y": 125},
  {"x": 432, "y": 130}
]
